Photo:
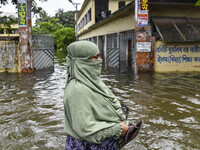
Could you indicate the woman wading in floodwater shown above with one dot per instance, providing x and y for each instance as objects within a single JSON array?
[{"x": 94, "y": 119}]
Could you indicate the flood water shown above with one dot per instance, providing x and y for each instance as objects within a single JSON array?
[{"x": 31, "y": 108}]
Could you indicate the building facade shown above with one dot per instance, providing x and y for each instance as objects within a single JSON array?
[{"x": 173, "y": 31}]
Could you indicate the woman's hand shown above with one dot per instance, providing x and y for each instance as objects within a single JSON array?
[{"x": 124, "y": 128}]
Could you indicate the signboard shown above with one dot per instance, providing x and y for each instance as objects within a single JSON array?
[
  {"x": 142, "y": 16},
  {"x": 143, "y": 19},
  {"x": 144, "y": 4},
  {"x": 22, "y": 22},
  {"x": 143, "y": 46},
  {"x": 177, "y": 57}
]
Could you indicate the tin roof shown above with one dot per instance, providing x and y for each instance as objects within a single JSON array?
[{"x": 179, "y": 29}]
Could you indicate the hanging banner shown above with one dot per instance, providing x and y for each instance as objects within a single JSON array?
[{"x": 22, "y": 22}]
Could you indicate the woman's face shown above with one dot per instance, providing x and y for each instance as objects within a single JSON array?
[{"x": 96, "y": 57}]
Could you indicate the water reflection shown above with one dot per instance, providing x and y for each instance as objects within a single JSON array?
[
  {"x": 168, "y": 104},
  {"x": 31, "y": 115}
]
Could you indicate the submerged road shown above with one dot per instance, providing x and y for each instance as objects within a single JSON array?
[{"x": 31, "y": 108}]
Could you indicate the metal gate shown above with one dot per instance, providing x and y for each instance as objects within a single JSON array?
[
  {"x": 43, "y": 51},
  {"x": 129, "y": 35},
  {"x": 113, "y": 51}
]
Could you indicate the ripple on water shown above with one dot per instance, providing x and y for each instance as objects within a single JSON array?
[
  {"x": 32, "y": 109},
  {"x": 194, "y": 101}
]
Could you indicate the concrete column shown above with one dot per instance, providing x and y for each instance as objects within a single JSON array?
[
  {"x": 98, "y": 41},
  {"x": 122, "y": 54},
  {"x": 25, "y": 37},
  {"x": 105, "y": 50},
  {"x": 118, "y": 40},
  {"x": 143, "y": 53}
]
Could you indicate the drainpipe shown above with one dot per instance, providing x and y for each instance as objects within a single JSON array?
[{"x": 25, "y": 36}]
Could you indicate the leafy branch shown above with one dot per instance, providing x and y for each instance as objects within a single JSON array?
[{"x": 197, "y": 3}]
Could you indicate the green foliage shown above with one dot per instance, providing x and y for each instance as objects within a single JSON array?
[
  {"x": 49, "y": 27},
  {"x": 61, "y": 55},
  {"x": 66, "y": 18},
  {"x": 198, "y": 3},
  {"x": 36, "y": 30},
  {"x": 6, "y": 22},
  {"x": 4, "y": 2},
  {"x": 34, "y": 8},
  {"x": 42, "y": 17},
  {"x": 61, "y": 26},
  {"x": 64, "y": 37}
]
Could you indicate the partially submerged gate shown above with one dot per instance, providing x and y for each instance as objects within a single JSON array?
[
  {"x": 126, "y": 47},
  {"x": 113, "y": 51},
  {"x": 43, "y": 51}
]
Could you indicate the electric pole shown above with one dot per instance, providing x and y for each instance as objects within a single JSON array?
[{"x": 76, "y": 15}]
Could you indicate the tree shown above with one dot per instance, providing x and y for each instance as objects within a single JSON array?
[
  {"x": 34, "y": 8},
  {"x": 64, "y": 37},
  {"x": 7, "y": 21},
  {"x": 42, "y": 17},
  {"x": 61, "y": 26},
  {"x": 198, "y": 3},
  {"x": 66, "y": 18},
  {"x": 4, "y": 2},
  {"x": 49, "y": 27}
]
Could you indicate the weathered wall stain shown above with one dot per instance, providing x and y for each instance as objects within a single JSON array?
[
  {"x": 26, "y": 50},
  {"x": 177, "y": 57},
  {"x": 9, "y": 60},
  {"x": 144, "y": 60}
]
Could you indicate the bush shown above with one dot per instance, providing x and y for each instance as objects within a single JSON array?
[{"x": 64, "y": 37}]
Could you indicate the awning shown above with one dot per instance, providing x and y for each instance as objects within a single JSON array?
[{"x": 178, "y": 29}]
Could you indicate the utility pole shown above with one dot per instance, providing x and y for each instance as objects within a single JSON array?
[
  {"x": 25, "y": 36},
  {"x": 76, "y": 15}
]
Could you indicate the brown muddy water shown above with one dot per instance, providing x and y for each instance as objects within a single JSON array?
[{"x": 31, "y": 108}]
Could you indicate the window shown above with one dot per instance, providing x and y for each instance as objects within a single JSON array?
[
  {"x": 1, "y": 31},
  {"x": 89, "y": 15},
  {"x": 85, "y": 19},
  {"x": 121, "y": 4}
]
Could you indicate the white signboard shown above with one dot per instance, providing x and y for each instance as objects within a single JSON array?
[{"x": 143, "y": 46}]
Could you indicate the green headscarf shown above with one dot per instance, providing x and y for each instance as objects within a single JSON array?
[{"x": 89, "y": 105}]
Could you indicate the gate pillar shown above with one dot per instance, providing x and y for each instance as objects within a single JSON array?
[
  {"x": 144, "y": 54},
  {"x": 25, "y": 37}
]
